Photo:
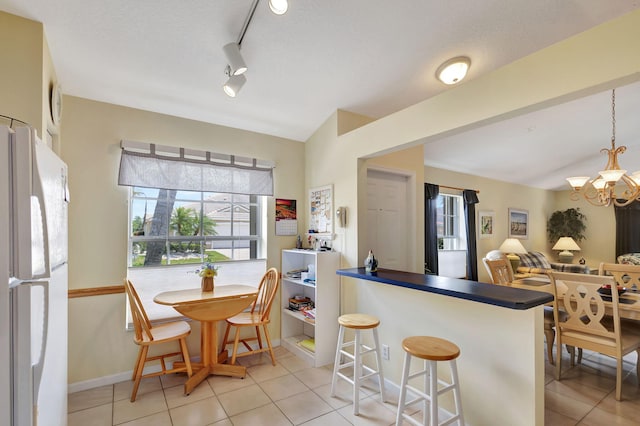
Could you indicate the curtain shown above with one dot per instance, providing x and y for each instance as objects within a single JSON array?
[
  {"x": 627, "y": 229},
  {"x": 470, "y": 200},
  {"x": 182, "y": 169},
  {"x": 431, "y": 192}
]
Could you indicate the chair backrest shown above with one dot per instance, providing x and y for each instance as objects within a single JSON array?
[
  {"x": 585, "y": 308},
  {"x": 141, "y": 323},
  {"x": 266, "y": 293},
  {"x": 499, "y": 270},
  {"x": 625, "y": 275}
]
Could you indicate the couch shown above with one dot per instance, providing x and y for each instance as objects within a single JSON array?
[
  {"x": 629, "y": 259},
  {"x": 535, "y": 262}
]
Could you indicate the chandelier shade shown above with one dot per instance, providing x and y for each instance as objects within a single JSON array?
[{"x": 612, "y": 185}]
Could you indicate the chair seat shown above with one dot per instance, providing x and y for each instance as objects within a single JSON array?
[
  {"x": 358, "y": 321},
  {"x": 168, "y": 331},
  {"x": 245, "y": 318},
  {"x": 431, "y": 348}
]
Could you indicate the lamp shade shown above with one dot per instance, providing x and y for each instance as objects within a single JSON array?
[
  {"x": 566, "y": 243},
  {"x": 512, "y": 245}
]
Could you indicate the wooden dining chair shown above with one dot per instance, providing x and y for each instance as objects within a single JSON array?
[
  {"x": 585, "y": 323},
  {"x": 502, "y": 274},
  {"x": 147, "y": 335},
  {"x": 258, "y": 316},
  {"x": 624, "y": 275}
]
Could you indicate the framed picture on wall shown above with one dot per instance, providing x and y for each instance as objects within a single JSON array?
[
  {"x": 486, "y": 222},
  {"x": 518, "y": 223}
]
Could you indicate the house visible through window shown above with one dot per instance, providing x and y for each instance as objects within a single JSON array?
[
  {"x": 171, "y": 233},
  {"x": 452, "y": 240}
]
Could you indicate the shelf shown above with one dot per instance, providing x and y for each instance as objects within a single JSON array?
[
  {"x": 299, "y": 316},
  {"x": 299, "y": 282},
  {"x": 291, "y": 344}
]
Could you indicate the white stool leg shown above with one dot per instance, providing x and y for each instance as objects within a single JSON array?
[
  {"x": 433, "y": 392},
  {"x": 336, "y": 364},
  {"x": 456, "y": 391},
  {"x": 403, "y": 387},
  {"x": 425, "y": 386},
  {"x": 379, "y": 365},
  {"x": 357, "y": 373}
]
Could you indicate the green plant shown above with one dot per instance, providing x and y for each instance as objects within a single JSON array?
[{"x": 566, "y": 223}]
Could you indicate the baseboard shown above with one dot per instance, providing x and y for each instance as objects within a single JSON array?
[{"x": 126, "y": 375}]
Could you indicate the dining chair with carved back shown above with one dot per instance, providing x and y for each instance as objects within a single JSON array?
[
  {"x": 502, "y": 274},
  {"x": 585, "y": 323},
  {"x": 147, "y": 335},
  {"x": 259, "y": 315},
  {"x": 625, "y": 275}
]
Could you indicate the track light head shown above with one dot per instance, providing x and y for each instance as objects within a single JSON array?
[
  {"x": 279, "y": 7},
  {"x": 234, "y": 83},
  {"x": 236, "y": 62}
]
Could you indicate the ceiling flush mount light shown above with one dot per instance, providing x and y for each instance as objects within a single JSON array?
[
  {"x": 236, "y": 65},
  {"x": 612, "y": 185},
  {"x": 279, "y": 7},
  {"x": 234, "y": 83},
  {"x": 454, "y": 70}
]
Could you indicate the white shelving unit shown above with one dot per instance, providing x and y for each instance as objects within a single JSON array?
[{"x": 325, "y": 293}]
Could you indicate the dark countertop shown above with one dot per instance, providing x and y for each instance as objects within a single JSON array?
[{"x": 507, "y": 297}]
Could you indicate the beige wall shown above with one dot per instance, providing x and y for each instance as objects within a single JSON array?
[
  {"x": 99, "y": 345},
  {"x": 23, "y": 70}
]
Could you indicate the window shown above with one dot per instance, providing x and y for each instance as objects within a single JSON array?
[
  {"x": 169, "y": 227},
  {"x": 172, "y": 232},
  {"x": 451, "y": 228},
  {"x": 452, "y": 237}
]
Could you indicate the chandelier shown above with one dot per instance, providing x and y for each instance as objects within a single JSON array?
[{"x": 612, "y": 185}]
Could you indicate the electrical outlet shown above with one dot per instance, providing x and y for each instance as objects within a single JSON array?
[{"x": 385, "y": 352}]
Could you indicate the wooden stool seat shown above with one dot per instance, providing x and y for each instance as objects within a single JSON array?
[
  {"x": 431, "y": 348},
  {"x": 357, "y": 370},
  {"x": 358, "y": 321}
]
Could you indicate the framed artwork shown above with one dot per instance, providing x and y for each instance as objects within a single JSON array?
[
  {"x": 518, "y": 223},
  {"x": 486, "y": 222},
  {"x": 286, "y": 217},
  {"x": 321, "y": 210}
]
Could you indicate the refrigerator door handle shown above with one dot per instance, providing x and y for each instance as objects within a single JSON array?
[{"x": 38, "y": 366}]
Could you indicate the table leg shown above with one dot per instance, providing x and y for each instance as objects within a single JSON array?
[{"x": 211, "y": 360}]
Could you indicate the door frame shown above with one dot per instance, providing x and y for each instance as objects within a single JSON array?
[{"x": 411, "y": 215}]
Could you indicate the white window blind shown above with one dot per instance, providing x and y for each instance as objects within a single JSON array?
[{"x": 157, "y": 166}]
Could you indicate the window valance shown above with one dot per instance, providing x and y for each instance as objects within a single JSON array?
[{"x": 157, "y": 166}]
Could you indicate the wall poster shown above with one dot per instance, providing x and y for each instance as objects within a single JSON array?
[
  {"x": 321, "y": 210},
  {"x": 286, "y": 217}
]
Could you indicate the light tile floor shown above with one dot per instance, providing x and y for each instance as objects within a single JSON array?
[{"x": 291, "y": 393}]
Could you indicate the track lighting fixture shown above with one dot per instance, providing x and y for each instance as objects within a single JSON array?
[
  {"x": 236, "y": 66},
  {"x": 279, "y": 7},
  {"x": 234, "y": 83},
  {"x": 236, "y": 62}
]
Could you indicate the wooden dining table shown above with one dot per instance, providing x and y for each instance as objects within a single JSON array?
[
  {"x": 209, "y": 308},
  {"x": 629, "y": 306}
]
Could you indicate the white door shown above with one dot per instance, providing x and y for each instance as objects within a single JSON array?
[{"x": 388, "y": 219}]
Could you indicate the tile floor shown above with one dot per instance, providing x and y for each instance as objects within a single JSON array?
[{"x": 293, "y": 394}]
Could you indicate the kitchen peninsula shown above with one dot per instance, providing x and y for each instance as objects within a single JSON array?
[{"x": 499, "y": 331}]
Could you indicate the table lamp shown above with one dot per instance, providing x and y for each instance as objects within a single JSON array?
[
  {"x": 512, "y": 247},
  {"x": 566, "y": 244}
]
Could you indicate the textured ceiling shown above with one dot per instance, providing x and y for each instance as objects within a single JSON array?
[{"x": 371, "y": 57}]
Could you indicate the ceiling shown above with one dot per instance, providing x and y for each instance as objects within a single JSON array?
[{"x": 371, "y": 57}]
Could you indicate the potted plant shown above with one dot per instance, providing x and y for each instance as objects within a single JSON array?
[{"x": 566, "y": 223}]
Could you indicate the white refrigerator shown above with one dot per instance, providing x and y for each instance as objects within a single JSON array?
[{"x": 33, "y": 272}]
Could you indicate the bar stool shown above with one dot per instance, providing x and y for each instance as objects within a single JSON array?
[
  {"x": 431, "y": 350},
  {"x": 357, "y": 322}
]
